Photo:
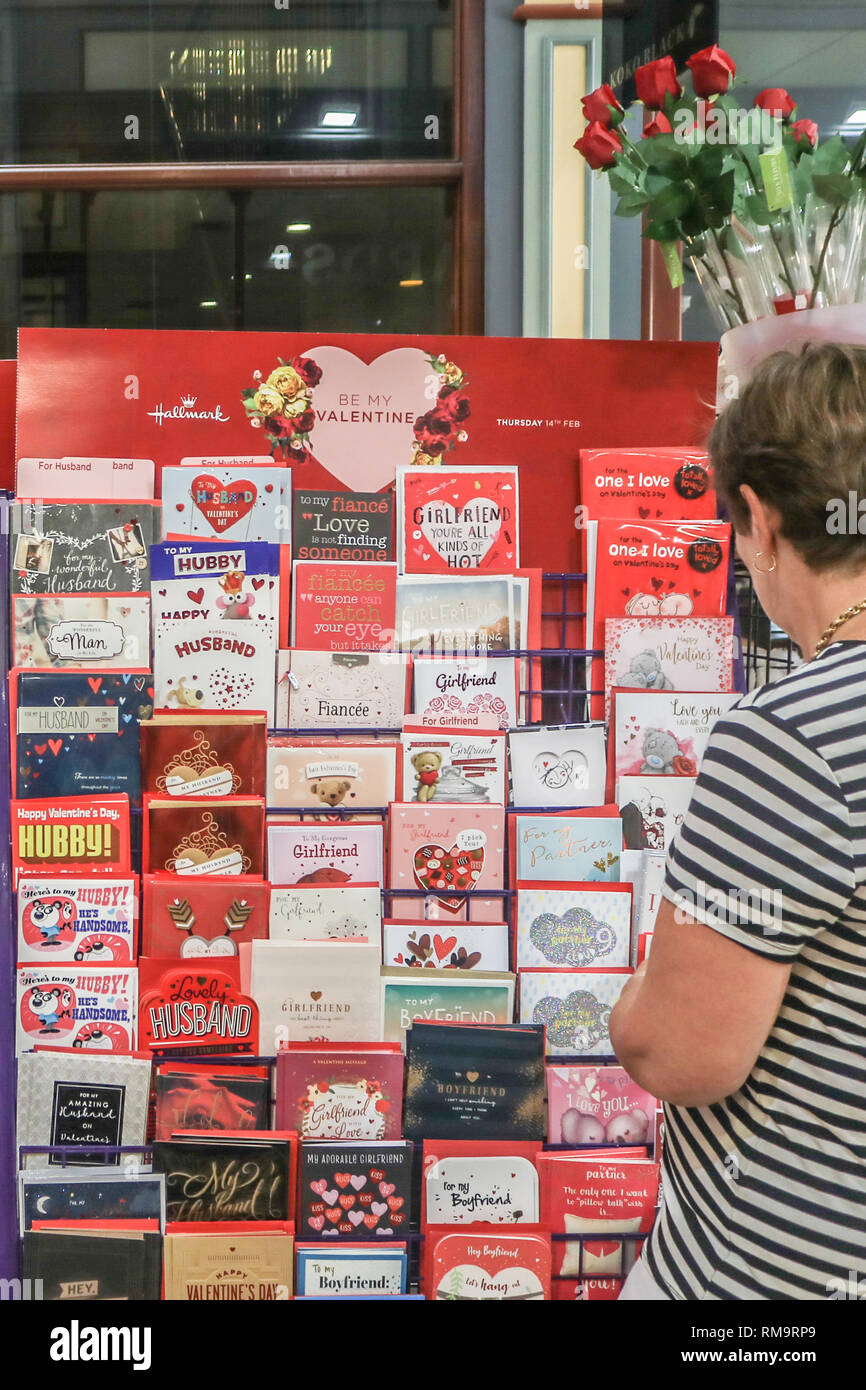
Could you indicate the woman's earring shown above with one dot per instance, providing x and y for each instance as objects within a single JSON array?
[{"x": 772, "y": 564}]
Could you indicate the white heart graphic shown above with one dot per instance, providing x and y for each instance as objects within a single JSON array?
[
  {"x": 365, "y": 414},
  {"x": 464, "y": 536},
  {"x": 559, "y": 771}
]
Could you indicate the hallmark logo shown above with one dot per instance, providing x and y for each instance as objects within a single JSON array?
[{"x": 187, "y": 411}]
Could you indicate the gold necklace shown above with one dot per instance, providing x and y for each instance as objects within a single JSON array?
[{"x": 837, "y": 623}]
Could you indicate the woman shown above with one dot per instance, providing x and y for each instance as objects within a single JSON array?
[{"x": 749, "y": 1019}]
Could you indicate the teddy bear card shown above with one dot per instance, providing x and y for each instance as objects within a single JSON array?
[
  {"x": 596, "y": 1105},
  {"x": 342, "y": 690},
  {"x": 187, "y": 754},
  {"x": 203, "y": 836},
  {"x": 332, "y": 774},
  {"x": 456, "y": 765},
  {"x": 451, "y": 854},
  {"x": 661, "y": 733},
  {"x": 668, "y": 654},
  {"x": 557, "y": 767}
]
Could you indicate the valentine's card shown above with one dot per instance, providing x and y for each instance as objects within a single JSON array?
[
  {"x": 228, "y": 504},
  {"x": 557, "y": 766},
  {"x": 227, "y": 1175},
  {"x": 80, "y": 1098},
  {"x": 208, "y": 1095},
  {"x": 200, "y": 1008},
  {"x": 77, "y": 733},
  {"x": 108, "y": 631},
  {"x": 477, "y": 1265},
  {"x": 652, "y": 810},
  {"x": 342, "y": 690},
  {"x": 307, "y": 912},
  {"x": 452, "y": 996},
  {"x": 501, "y": 1189},
  {"x": 475, "y": 692},
  {"x": 340, "y": 1092},
  {"x": 354, "y": 1274},
  {"x": 343, "y": 607},
  {"x": 356, "y": 1189},
  {"x": 578, "y": 925},
  {"x": 474, "y": 1082},
  {"x": 566, "y": 849},
  {"x": 583, "y": 1194},
  {"x": 201, "y": 836},
  {"x": 227, "y": 1262},
  {"x": 597, "y": 1105},
  {"x": 458, "y": 946},
  {"x": 91, "y": 1007},
  {"x": 331, "y": 773},
  {"x": 74, "y": 835},
  {"x": 657, "y": 733},
  {"x": 313, "y": 991},
  {"x": 574, "y": 1006},
  {"x": 204, "y": 754},
  {"x": 77, "y": 919},
  {"x": 458, "y": 519},
  {"x": 202, "y": 916},
  {"x": 81, "y": 547},
  {"x": 444, "y": 850},
  {"x": 457, "y": 766},
  {"x": 450, "y": 613},
  {"x": 329, "y": 854},
  {"x": 330, "y": 526},
  {"x": 667, "y": 654},
  {"x": 647, "y": 484}
]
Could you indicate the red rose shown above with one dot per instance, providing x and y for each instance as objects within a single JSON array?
[
  {"x": 659, "y": 125},
  {"x": 435, "y": 422},
  {"x": 308, "y": 370},
  {"x": 383, "y": 1106},
  {"x": 683, "y": 766},
  {"x": 599, "y": 146},
  {"x": 280, "y": 426},
  {"x": 655, "y": 80},
  {"x": 777, "y": 100},
  {"x": 596, "y": 106},
  {"x": 304, "y": 423},
  {"x": 455, "y": 406},
  {"x": 323, "y": 1086},
  {"x": 805, "y": 131},
  {"x": 713, "y": 70},
  {"x": 433, "y": 447}
]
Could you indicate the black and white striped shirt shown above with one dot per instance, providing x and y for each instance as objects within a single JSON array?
[{"x": 769, "y": 1185}]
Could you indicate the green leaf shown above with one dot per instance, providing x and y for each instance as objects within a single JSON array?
[
  {"x": 632, "y": 205},
  {"x": 665, "y": 152},
  {"x": 730, "y": 242},
  {"x": 671, "y": 203},
  {"x": 708, "y": 163},
  {"x": 757, "y": 210},
  {"x": 621, "y": 183},
  {"x": 662, "y": 231},
  {"x": 834, "y": 188},
  {"x": 832, "y": 157}
]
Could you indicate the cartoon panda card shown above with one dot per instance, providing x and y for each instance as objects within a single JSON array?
[
  {"x": 454, "y": 765},
  {"x": 83, "y": 919},
  {"x": 661, "y": 733},
  {"x": 91, "y": 1007}
]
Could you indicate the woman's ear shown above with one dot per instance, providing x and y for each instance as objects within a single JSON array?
[{"x": 764, "y": 520}]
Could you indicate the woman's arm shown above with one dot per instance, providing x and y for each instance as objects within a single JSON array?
[{"x": 690, "y": 1024}]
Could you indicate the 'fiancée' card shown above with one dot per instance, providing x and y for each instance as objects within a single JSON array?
[{"x": 341, "y": 690}]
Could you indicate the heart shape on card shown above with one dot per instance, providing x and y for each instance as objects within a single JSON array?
[
  {"x": 356, "y": 1217},
  {"x": 357, "y": 1181},
  {"x": 464, "y": 524},
  {"x": 342, "y": 1179},
  {"x": 438, "y": 870},
  {"x": 222, "y": 505},
  {"x": 443, "y": 946},
  {"x": 387, "y": 395}
]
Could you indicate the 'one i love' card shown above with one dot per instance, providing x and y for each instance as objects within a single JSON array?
[
  {"x": 356, "y": 1189},
  {"x": 458, "y": 519}
]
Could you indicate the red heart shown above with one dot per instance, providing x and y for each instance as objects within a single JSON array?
[
  {"x": 347, "y": 1201},
  {"x": 55, "y": 744},
  {"x": 395, "y": 1203},
  {"x": 697, "y": 592},
  {"x": 377, "y": 1174},
  {"x": 333, "y": 1214},
  {"x": 625, "y": 592},
  {"x": 40, "y": 748},
  {"x": 195, "y": 594},
  {"x": 342, "y": 1179},
  {"x": 365, "y": 1199},
  {"x": 94, "y": 682},
  {"x": 643, "y": 511},
  {"x": 319, "y": 1186},
  {"x": 222, "y": 504},
  {"x": 344, "y": 1228},
  {"x": 371, "y": 1221},
  {"x": 93, "y": 736},
  {"x": 444, "y": 948},
  {"x": 257, "y": 583},
  {"x": 398, "y": 1218},
  {"x": 179, "y": 506},
  {"x": 438, "y": 869},
  {"x": 657, "y": 583},
  {"x": 317, "y": 1222}
]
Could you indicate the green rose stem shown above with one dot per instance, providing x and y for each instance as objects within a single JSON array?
[
  {"x": 838, "y": 213},
  {"x": 734, "y": 291}
]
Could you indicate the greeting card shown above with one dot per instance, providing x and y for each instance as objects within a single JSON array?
[
  {"x": 352, "y": 1272},
  {"x": 342, "y": 690},
  {"x": 647, "y": 484},
  {"x": 329, "y": 854},
  {"x": 356, "y": 526},
  {"x": 107, "y": 1195},
  {"x": 78, "y": 1098},
  {"x": 215, "y": 610},
  {"x": 347, "y": 1093},
  {"x": 457, "y": 946},
  {"x": 597, "y": 1105},
  {"x": 331, "y": 773},
  {"x": 652, "y": 810},
  {"x": 204, "y": 754},
  {"x": 78, "y": 733},
  {"x": 443, "y": 850},
  {"x": 307, "y": 912},
  {"x": 557, "y": 766},
  {"x": 228, "y": 504},
  {"x": 91, "y": 1007},
  {"x": 580, "y": 925},
  {"x": 109, "y": 632},
  {"x": 458, "y": 519},
  {"x": 479, "y": 1265},
  {"x": 360, "y": 1189},
  {"x": 667, "y": 654},
  {"x": 454, "y": 766},
  {"x": 198, "y": 1007},
  {"x": 77, "y": 919},
  {"x": 115, "y": 1262},
  {"x": 207, "y": 916},
  {"x": 228, "y": 1261},
  {"x": 474, "y": 1082},
  {"x": 453, "y": 996},
  {"x": 566, "y": 848},
  {"x": 198, "y": 1095},
  {"x": 313, "y": 991},
  {"x": 590, "y": 1195},
  {"x": 72, "y": 835},
  {"x": 343, "y": 607},
  {"x": 574, "y": 1006},
  {"x": 229, "y": 1175},
  {"x": 450, "y": 613},
  {"x": 199, "y": 836},
  {"x": 474, "y": 693},
  {"x": 661, "y": 733},
  {"x": 489, "y": 1182},
  {"x": 81, "y": 547}
]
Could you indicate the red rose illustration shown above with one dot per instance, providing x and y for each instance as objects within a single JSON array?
[
  {"x": 308, "y": 370},
  {"x": 683, "y": 766}
]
